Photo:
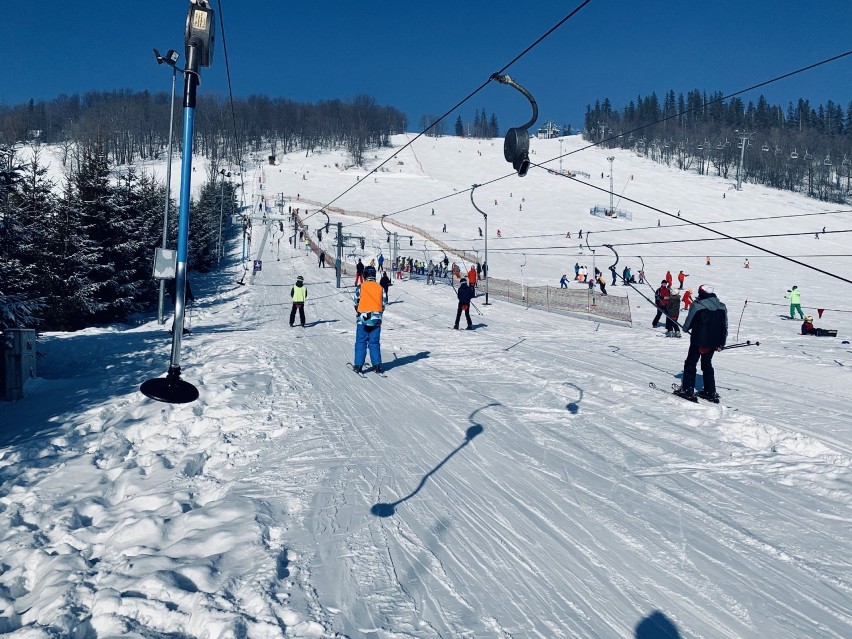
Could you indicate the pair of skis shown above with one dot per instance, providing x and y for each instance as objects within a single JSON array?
[
  {"x": 363, "y": 373},
  {"x": 694, "y": 398}
]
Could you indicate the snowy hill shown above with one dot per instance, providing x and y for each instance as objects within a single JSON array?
[{"x": 519, "y": 480}]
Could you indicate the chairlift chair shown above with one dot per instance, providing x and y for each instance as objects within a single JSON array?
[
  {"x": 808, "y": 156},
  {"x": 765, "y": 148},
  {"x": 827, "y": 161},
  {"x": 794, "y": 155}
]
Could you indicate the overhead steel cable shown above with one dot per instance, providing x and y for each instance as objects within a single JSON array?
[
  {"x": 594, "y": 144},
  {"x": 465, "y": 99},
  {"x": 239, "y": 153},
  {"x": 702, "y": 226}
]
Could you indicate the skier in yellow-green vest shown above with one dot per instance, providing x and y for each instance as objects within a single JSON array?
[
  {"x": 298, "y": 293},
  {"x": 795, "y": 297}
]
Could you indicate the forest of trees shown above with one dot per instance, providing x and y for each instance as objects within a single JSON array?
[
  {"x": 80, "y": 253},
  {"x": 133, "y": 126},
  {"x": 800, "y": 148}
]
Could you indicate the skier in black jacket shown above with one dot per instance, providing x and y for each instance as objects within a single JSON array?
[
  {"x": 465, "y": 294},
  {"x": 707, "y": 323}
]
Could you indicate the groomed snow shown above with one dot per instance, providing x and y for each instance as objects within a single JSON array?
[{"x": 516, "y": 481}]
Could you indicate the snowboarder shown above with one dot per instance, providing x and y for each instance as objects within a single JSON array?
[
  {"x": 298, "y": 293},
  {"x": 795, "y": 297},
  {"x": 707, "y": 324},
  {"x": 359, "y": 272},
  {"x": 465, "y": 294},
  {"x": 370, "y": 301}
]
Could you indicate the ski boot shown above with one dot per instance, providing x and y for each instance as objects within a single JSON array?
[
  {"x": 710, "y": 397},
  {"x": 686, "y": 393}
]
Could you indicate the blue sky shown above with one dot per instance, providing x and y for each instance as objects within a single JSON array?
[{"x": 425, "y": 57}]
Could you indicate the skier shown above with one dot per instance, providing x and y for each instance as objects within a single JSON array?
[
  {"x": 471, "y": 277},
  {"x": 370, "y": 301},
  {"x": 359, "y": 272},
  {"x": 444, "y": 230},
  {"x": 745, "y": 264},
  {"x": 707, "y": 324},
  {"x": 661, "y": 298},
  {"x": 381, "y": 260},
  {"x": 601, "y": 283},
  {"x": 680, "y": 278},
  {"x": 499, "y": 234},
  {"x": 322, "y": 259},
  {"x": 298, "y": 293},
  {"x": 465, "y": 294},
  {"x": 480, "y": 231},
  {"x": 687, "y": 299},
  {"x": 614, "y": 275},
  {"x": 795, "y": 297},
  {"x": 430, "y": 274},
  {"x": 385, "y": 282},
  {"x": 576, "y": 270},
  {"x": 707, "y": 261},
  {"x": 669, "y": 279},
  {"x": 808, "y": 329},
  {"x": 563, "y": 283}
]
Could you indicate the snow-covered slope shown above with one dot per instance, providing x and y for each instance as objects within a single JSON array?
[{"x": 518, "y": 480}]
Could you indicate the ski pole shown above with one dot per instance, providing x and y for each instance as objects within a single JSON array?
[
  {"x": 476, "y": 309},
  {"x": 740, "y": 345},
  {"x": 191, "y": 306},
  {"x": 741, "y": 319}
]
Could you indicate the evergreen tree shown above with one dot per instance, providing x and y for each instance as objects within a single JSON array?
[
  {"x": 459, "y": 127},
  {"x": 493, "y": 127}
]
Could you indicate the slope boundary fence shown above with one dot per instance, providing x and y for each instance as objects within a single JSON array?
[{"x": 577, "y": 303}]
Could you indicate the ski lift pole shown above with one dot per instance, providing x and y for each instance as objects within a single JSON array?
[
  {"x": 594, "y": 273},
  {"x": 199, "y": 37},
  {"x": 485, "y": 216}
]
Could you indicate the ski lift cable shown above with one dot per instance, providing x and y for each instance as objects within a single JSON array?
[
  {"x": 508, "y": 250},
  {"x": 231, "y": 97},
  {"x": 724, "y": 235},
  {"x": 595, "y": 144},
  {"x": 491, "y": 78}
]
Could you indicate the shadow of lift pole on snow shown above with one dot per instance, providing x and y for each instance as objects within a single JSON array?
[{"x": 388, "y": 510}]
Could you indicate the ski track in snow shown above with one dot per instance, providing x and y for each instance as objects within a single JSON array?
[{"x": 534, "y": 487}]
